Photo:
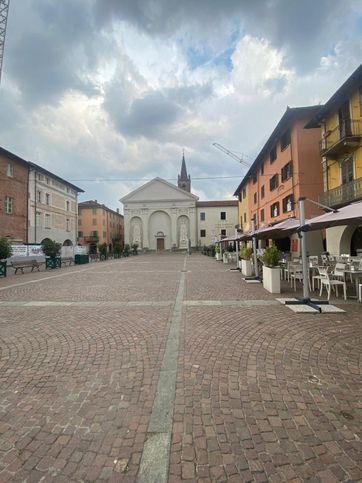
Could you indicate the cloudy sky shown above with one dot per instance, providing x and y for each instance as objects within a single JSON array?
[{"x": 107, "y": 93}]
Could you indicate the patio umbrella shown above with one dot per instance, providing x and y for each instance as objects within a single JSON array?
[
  {"x": 350, "y": 214},
  {"x": 246, "y": 236},
  {"x": 278, "y": 229}
]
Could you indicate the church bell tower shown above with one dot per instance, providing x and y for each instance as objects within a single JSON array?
[{"x": 184, "y": 180}]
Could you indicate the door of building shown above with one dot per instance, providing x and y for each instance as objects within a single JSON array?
[
  {"x": 160, "y": 244},
  {"x": 344, "y": 119},
  {"x": 347, "y": 170}
]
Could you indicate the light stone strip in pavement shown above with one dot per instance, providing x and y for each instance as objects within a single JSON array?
[
  {"x": 42, "y": 303},
  {"x": 139, "y": 303},
  {"x": 156, "y": 452}
]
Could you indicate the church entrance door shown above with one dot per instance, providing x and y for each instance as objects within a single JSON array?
[{"x": 160, "y": 244}]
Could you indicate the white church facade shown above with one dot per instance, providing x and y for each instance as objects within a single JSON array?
[{"x": 161, "y": 216}]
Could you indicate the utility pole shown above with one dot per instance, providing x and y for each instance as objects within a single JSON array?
[{"x": 4, "y": 9}]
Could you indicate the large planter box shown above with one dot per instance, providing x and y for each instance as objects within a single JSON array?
[
  {"x": 232, "y": 257},
  {"x": 53, "y": 262},
  {"x": 81, "y": 259},
  {"x": 271, "y": 279},
  {"x": 246, "y": 268},
  {"x": 218, "y": 256},
  {"x": 3, "y": 269}
]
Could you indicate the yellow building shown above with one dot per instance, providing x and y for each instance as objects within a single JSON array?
[
  {"x": 340, "y": 120},
  {"x": 242, "y": 192}
]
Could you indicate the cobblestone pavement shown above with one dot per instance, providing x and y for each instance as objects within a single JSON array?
[{"x": 97, "y": 361}]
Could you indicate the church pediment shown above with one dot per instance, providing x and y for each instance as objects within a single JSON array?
[{"x": 158, "y": 190}]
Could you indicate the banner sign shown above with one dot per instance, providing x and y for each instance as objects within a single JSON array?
[{"x": 26, "y": 250}]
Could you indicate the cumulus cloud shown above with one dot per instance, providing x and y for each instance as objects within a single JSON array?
[{"x": 103, "y": 89}]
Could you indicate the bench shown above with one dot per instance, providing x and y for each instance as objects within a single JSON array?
[
  {"x": 94, "y": 257},
  {"x": 19, "y": 265},
  {"x": 67, "y": 260}
]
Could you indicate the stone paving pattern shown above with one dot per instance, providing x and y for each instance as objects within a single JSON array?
[{"x": 262, "y": 394}]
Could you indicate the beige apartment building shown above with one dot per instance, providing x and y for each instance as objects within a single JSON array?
[
  {"x": 52, "y": 207},
  {"x": 216, "y": 220},
  {"x": 99, "y": 224}
]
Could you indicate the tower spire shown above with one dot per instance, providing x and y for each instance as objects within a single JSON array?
[{"x": 184, "y": 180}]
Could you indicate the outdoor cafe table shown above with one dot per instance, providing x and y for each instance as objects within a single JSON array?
[{"x": 356, "y": 274}]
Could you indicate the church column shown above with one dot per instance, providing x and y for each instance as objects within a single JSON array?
[
  {"x": 193, "y": 227},
  {"x": 173, "y": 214},
  {"x": 145, "y": 219},
  {"x": 126, "y": 226}
]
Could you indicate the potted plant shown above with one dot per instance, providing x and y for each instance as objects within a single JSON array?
[
  {"x": 5, "y": 252},
  {"x": 225, "y": 257},
  {"x": 245, "y": 256},
  {"x": 117, "y": 249},
  {"x": 134, "y": 249},
  {"x": 51, "y": 250},
  {"x": 271, "y": 269},
  {"x": 217, "y": 253},
  {"x": 103, "y": 254},
  {"x": 126, "y": 250}
]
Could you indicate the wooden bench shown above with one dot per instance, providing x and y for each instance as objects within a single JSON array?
[
  {"x": 19, "y": 265},
  {"x": 67, "y": 260}
]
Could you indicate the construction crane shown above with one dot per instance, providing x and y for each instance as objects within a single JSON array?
[
  {"x": 231, "y": 154},
  {"x": 4, "y": 9}
]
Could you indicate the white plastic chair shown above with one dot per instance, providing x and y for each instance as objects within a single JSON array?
[
  {"x": 338, "y": 271},
  {"x": 326, "y": 281},
  {"x": 317, "y": 278},
  {"x": 296, "y": 273}
]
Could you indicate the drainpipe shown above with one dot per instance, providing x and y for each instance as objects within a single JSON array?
[
  {"x": 27, "y": 206},
  {"x": 293, "y": 179},
  {"x": 35, "y": 205}
]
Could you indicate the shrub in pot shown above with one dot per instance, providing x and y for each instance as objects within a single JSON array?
[
  {"x": 245, "y": 255},
  {"x": 126, "y": 250},
  {"x": 134, "y": 249},
  {"x": 117, "y": 249},
  {"x": 51, "y": 250},
  {"x": 103, "y": 253},
  {"x": 271, "y": 270},
  {"x": 5, "y": 252},
  {"x": 217, "y": 252}
]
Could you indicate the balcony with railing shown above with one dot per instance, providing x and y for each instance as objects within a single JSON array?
[
  {"x": 91, "y": 239},
  {"x": 343, "y": 194},
  {"x": 344, "y": 138}
]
